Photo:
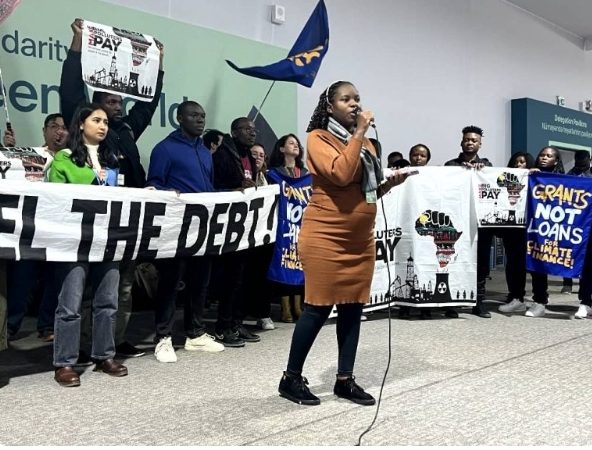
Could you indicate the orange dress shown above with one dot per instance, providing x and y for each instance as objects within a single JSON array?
[{"x": 336, "y": 242}]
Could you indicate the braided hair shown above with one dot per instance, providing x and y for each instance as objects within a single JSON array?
[
  {"x": 320, "y": 116},
  {"x": 558, "y": 168}
]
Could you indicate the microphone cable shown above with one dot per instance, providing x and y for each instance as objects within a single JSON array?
[{"x": 388, "y": 299}]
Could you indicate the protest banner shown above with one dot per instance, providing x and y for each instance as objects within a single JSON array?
[
  {"x": 118, "y": 61},
  {"x": 429, "y": 242},
  {"x": 500, "y": 196},
  {"x": 559, "y": 217},
  {"x": 295, "y": 193},
  {"x": 65, "y": 222}
]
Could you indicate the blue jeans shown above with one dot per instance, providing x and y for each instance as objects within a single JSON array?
[
  {"x": 104, "y": 278},
  {"x": 22, "y": 279}
]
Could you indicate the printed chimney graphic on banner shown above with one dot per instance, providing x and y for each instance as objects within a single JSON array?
[
  {"x": 119, "y": 61},
  {"x": 426, "y": 243},
  {"x": 440, "y": 228},
  {"x": 500, "y": 197}
]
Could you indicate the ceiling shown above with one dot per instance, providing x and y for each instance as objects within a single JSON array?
[{"x": 573, "y": 16}]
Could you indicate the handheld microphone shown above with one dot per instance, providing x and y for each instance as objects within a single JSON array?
[{"x": 358, "y": 110}]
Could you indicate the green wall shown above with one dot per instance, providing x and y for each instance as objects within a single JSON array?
[{"x": 34, "y": 41}]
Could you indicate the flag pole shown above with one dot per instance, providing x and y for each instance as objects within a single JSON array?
[
  {"x": 263, "y": 102},
  {"x": 8, "y": 124}
]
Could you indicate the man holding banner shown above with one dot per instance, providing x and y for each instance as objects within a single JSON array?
[
  {"x": 235, "y": 170},
  {"x": 124, "y": 132},
  {"x": 469, "y": 158},
  {"x": 182, "y": 163}
]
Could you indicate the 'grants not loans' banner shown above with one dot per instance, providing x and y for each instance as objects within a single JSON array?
[
  {"x": 559, "y": 218},
  {"x": 66, "y": 222},
  {"x": 294, "y": 196}
]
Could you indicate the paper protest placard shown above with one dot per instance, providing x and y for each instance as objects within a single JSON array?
[{"x": 120, "y": 62}]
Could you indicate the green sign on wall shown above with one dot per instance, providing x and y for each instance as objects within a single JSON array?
[{"x": 34, "y": 41}]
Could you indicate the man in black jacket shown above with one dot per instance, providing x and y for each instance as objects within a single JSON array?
[
  {"x": 470, "y": 145},
  {"x": 234, "y": 169},
  {"x": 124, "y": 132}
]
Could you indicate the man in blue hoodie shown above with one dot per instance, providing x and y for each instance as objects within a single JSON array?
[{"x": 182, "y": 163}]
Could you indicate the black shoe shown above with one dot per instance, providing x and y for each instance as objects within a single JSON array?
[
  {"x": 350, "y": 390},
  {"x": 479, "y": 310},
  {"x": 295, "y": 389},
  {"x": 229, "y": 338},
  {"x": 245, "y": 334},
  {"x": 83, "y": 359},
  {"x": 425, "y": 314},
  {"x": 127, "y": 350},
  {"x": 451, "y": 313}
]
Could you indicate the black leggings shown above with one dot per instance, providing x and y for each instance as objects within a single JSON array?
[{"x": 310, "y": 323}]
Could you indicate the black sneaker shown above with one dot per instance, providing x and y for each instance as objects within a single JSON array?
[
  {"x": 295, "y": 389},
  {"x": 350, "y": 390},
  {"x": 245, "y": 334},
  {"x": 127, "y": 350},
  {"x": 229, "y": 338}
]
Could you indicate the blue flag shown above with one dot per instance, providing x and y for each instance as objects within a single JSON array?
[
  {"x": 559, "y": 215},
  {"x": 304, "y": 60},
  {"x": 285, "y": 264}
]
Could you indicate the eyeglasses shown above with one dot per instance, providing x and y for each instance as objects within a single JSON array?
[{"x": 249, "y": 129}]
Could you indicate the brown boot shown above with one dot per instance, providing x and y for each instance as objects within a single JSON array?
[
  {"x": 286, "y": 312},
  {"x": 297, "y": 306}
]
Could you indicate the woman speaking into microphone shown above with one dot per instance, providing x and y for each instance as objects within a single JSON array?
[{"x": 336, "y": 242}]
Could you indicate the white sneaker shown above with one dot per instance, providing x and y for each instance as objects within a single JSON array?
[
  {"x": 205, "y": 343},
  {"x": 514, "y": 306},
  {"x": 583, "y": 312},
  {"x": 536, "y": 310},
  {"x": 266, "y": 324},
  {"x": 164, "y": 351}
]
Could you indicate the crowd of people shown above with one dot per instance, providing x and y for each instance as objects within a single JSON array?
[{"x": 95, "y": 144}]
